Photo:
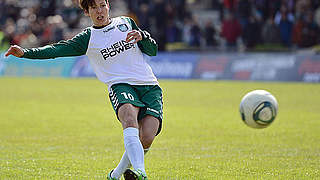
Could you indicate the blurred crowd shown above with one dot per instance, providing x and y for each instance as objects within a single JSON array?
[
  {"x": 175, "y": 24},
  {"x": 36, "y": 23}
]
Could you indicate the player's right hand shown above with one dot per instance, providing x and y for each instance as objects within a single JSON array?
[{"x": 15, "y": 50}]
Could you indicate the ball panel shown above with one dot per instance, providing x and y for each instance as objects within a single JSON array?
[{"x": 264, "y": 113}]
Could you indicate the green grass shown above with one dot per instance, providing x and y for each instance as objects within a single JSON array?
[{"x": 66, "y": 129}]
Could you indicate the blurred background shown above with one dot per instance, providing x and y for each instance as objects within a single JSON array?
[
  {"x": 286, "y": 28},
  {"x": 245, "y": 25}
]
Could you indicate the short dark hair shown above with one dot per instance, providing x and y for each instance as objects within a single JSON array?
[{"x": 85, "y": 4}]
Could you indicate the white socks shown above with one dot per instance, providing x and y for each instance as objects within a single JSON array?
[
  {"x": 124, "y": 164},
  {"x": 134, "y": 153}
]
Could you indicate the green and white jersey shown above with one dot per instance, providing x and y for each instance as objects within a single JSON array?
[{"x": 112, "y": 58}]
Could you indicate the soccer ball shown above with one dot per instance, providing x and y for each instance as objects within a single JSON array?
[{"x": 258, "y": 109}]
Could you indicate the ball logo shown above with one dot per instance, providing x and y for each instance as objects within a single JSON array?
[{"x": 264, "y": 114}]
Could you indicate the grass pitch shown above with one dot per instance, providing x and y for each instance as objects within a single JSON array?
[{"x": 66, "y": 129}]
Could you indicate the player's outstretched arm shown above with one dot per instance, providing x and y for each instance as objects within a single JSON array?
[
  {"x": 15, "y": 50},
  {"x": 76, "y": 46}
]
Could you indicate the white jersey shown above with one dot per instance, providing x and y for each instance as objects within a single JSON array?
[
  {"x": 116, "y": 61},
  {"x": 112, "y": 58}
]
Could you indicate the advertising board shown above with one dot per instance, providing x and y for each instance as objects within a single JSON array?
[{"x": 185, "y": 65}]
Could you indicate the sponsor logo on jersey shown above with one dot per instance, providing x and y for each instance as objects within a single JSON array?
[
  {"x": 122, "y": 27},
  {"x": 115, "y": 49},
  {"x": 109, "y": 29}
]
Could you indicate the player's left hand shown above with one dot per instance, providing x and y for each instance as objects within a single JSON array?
[
  {"x": 15, "y": 50},
  {"x": 134, "y": 35}
]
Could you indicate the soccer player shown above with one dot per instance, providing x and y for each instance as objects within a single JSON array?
[{"x": 117, "y": 51}]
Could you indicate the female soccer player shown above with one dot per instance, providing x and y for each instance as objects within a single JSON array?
[{"x": 116, "y": 48}]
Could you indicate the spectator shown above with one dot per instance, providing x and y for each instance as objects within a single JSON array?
[
  {"x": 172, "y": 32},
  {"x": 170, "y": 21},
  {"x": 144, "y": 17},
  {"x": 47, "y": 8},
  {"x": 244, "y": 12},
  {"x": 302, "y": 6},
  {"x": 37, "y": 26},
  {"x": 285, "y": 27},
  {"x": 159, "y": 12},
  {"x": 29, "y": 40},
  {"x": 297, "y": 31},
  {"x": 251, "y": 33},
  {"x": 11, "y": 10},
  {"x": 10, "y": 29},
  {"x": 70, "y": 15},
  {"x": 186, "y": 31},
  {"x": 310, "y": 32},
  {"x": 53, "y": 32},
  {"x": 231, "y": 30},
  {"x": 133, "y": 15},
  {"x": 195, "y": 33},
  {"x": 289, "y": 4},
  {"x": 230, "y": 5},
  {"x": 283, "y": 12},
  {"x": 270, "y": 32},
  {"x": 182, "y": 12},
  {"x": 317, "y": 16},
  {"x": 209, "y": 34},
  {"x": 272, "y": 6},
  {"x": 3, "y": 15},
  {"x": 261, "y": 7}
]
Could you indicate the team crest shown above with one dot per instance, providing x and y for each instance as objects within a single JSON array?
[{"x": 122, "y": 27}]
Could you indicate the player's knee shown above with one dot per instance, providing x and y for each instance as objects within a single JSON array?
[
  {"x": 146, "y": 140},
  {"x": 128, "y": 117},
  {"x": 129, "y": 121}
]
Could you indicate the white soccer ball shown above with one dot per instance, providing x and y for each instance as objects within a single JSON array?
[{"x": 258, "y": 109}]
